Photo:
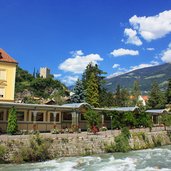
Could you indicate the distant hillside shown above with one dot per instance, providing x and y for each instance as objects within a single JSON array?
[
  {"x": 146, "y": 76},
  {"x": 28, "y": 86}
]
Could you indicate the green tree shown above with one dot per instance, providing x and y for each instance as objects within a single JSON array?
[
  {"x": 43, "y": 87},
  {"x": 125, "y": 97},
  {"x": 106, "y": 98},
  {"x": 12, "y": 121},
  {"x": 168, "y": 92},
  {"x": 118, "y": 99},
  {"x": 92, "y": 91},
  {"x": 58, "y": 98},
  {"x": 98, "y": 74},
  {"x": 136, "y": 91},
  {"x": 92, "y": 117},
  {"x": 121, "y": 97},
  {"x": 79, "y": 94},
  {"x": 166, "y": 120},
  {"x": 129, "y": 119},
  {"x": 157, "y": 98},
  {"x": 91, "y": 68}
]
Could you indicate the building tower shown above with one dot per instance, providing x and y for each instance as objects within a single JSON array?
[{"x": 44, "y": 72}]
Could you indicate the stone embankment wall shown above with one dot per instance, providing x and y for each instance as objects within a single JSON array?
[{"x": 86, "y": 144}]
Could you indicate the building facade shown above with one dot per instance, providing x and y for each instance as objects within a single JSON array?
[{"x": 7, "y": 77}]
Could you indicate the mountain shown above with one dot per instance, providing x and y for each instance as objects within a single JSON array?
[{"x": 145, "y": 76}]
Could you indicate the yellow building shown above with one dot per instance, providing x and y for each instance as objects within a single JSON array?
[{"x": 7, "y": 77}]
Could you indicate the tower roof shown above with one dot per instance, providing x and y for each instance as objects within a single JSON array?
[{"x": 4, "y": 57}]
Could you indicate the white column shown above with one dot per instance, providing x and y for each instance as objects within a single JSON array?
[
  {"x": 34, "y": 116},
  {"x": 54, "y": 117},
  {"x": 74, "y": 118},
  {"x": 102, "y": 119}
]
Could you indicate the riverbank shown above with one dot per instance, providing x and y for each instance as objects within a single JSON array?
[{"x": 29, "y": 148}]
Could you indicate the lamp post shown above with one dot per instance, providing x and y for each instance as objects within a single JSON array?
[{"x": 111, "y": 122}]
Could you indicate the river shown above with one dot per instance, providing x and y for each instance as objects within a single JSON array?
[{"x": 142, "y": 160}]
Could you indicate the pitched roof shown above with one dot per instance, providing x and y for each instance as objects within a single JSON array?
[
  {"x": 157, "y": 111},
  {"x": 145, "y": 98},
  {"x": 76, "y": 105},
  {"x": 4, "y": 57}
]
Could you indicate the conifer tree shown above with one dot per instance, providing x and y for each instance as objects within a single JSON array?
[
  {"x": 156, "y": 97},
  {"x": 12, "y": 121},
  {"x": 168, "y": 92},
  {"x": 118, "y": 96},
  {"x": 136, "y": 91},
  {"x": 79, "y": 95},
  {"x": 91, "y": 68},
  {"x": 92, "y": 91}
]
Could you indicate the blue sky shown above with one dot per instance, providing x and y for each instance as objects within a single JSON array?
[{"x": 65, "y": 35}]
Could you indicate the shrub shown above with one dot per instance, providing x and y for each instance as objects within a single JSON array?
[
  {"x": 121, "y": 143},
  {"x": 36, "y": 150},
  {"x": 2, "y": 153},
  {"x": 55, "y": 131},
  {"x": 125, "y": 132},
  {"x": 92, "y": 117},
  {"x": 109, "y": 148},
  {"x": 12, "y": 122},
  {"x": 103, "y": 128}
]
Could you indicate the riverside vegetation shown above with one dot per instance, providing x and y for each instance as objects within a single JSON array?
[{"x": 39, "y": 148}]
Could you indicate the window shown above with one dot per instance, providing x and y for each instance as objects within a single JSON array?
[
  {"x": 67, "y": 116},
  {"x": 1, "y": 115},
  {"x": 2, "y": 92},
  {"x": 52, "y": 117},
  {"x": 2, "y": 74},
  {"x": 39, "y": 116},
  {"x": 20, "y": 115},
  {"x": 82, "y": 117}
]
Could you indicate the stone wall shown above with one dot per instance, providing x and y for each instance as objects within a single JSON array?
[{"x": 80, "y": 144}]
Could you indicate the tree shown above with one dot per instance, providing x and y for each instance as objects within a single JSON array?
[
  {"x": 168, "y": 92},
  {"x": 118, "y": 96},
  {"x": 91, "y": 68},
  {"x": 92, "y": 117},
  {"x": 57, "y": 96},
  {"x": 106, "y": 98},
  {"x": 12, "y": 121},
  {"x": 136, "y": 91},
  {"x": 125, "y": 97},
  {"x": 129, "y": 119},
  {"x": 166, "y": 120},
  {"x": 79, "y": 95},
  {"x": 157, "y": 99},
  {"x": 92, "y": 91},
  {"x": 121, "y": 97}
]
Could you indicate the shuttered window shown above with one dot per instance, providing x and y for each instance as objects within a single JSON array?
[{"x": 2, "y": 74}]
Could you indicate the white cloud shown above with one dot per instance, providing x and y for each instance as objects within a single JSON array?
[
  {"x": 77, "y": 53},
  {"x": 122, "y": 52},
  {"x": 152, "y": 27},
  {"x": 79, "y": 61},
  {"x": 69, "y": 80},
  {"x": 132, "y": 37},
  {"x": 150, "y": 49},
  {"x": 57, "y": 75},
  {"x": 166, "y": 55},
  {"x": 115, "y": 65}
]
